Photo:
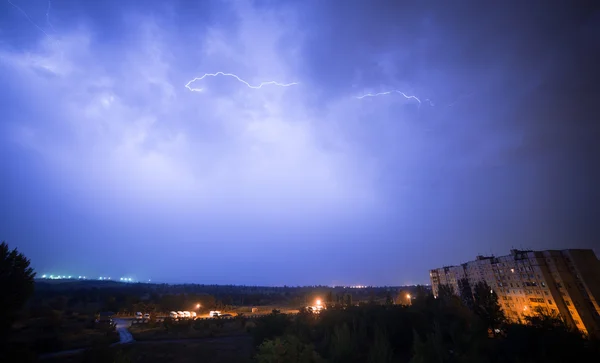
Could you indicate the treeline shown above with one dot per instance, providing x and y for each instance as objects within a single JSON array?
[
  {"x": 117, "y": 300},
  {"x": 90, "y": 296},
  {"x": 446, "y": 329}
]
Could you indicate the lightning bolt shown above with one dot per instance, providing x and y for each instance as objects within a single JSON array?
[
  {"x": 48, "y": 16},
  {"x": 236, "y": 77},
  {"x": 28, "y": 18},
  {"x": 396, "y": 91},
  {"x": 387, "y": 93}
]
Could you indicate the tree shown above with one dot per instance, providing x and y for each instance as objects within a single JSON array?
[
  {"x": 388, "y": 299},
  {"x": 329, "y": 298},
  {"x": 487, "y": 307},
  {"x": 288, "y": 349},
  {"x": 421, "y": 293},
  {"x": 465, "y": 292},
  {"x": 381, "y": 350},
  {"x": 342, "y": 347},
  {"x": 445, "y": 291},
  {"x": 348, "y": 299},
  {"x": 16, "y": 285}
]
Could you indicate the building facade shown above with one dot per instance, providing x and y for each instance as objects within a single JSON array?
[{"x": 563, "y": 282}]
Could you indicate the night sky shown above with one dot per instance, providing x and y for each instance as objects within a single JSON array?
[{"x": 110, "y": 166}]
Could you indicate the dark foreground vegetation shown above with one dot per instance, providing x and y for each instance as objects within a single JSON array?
[
  {"x": 429, "y": 331},
  {"x": 367, "y": 325}
]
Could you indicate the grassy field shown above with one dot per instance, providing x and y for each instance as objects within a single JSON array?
[
  {"x": 61, "y": 332},
  {"x": 188, "y": 329}
]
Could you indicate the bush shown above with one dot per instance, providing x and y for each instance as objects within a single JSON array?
[
  {"x": 269, "y": 327},
  {"x": 288, "y": 349}
]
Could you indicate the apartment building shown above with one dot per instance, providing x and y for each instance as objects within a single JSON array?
[{"x": 564, "y": 282}]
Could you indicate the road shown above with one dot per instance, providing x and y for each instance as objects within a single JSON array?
[{"x": 125, "y": 337}]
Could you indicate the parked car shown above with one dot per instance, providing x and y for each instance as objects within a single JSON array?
[
  {"x": 214, "y": 314},
  {"x": 173, "y": 315},
  {"x": 193, "y": 314},
  {"x": 187, "y": 315},
  {"x": 146, "y": 316},
  {"x": 180, "y": 315},
  {"x": 139, "y": 315}
]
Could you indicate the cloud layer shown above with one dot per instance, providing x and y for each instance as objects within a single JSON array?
[{"x": 108, "y": 149}]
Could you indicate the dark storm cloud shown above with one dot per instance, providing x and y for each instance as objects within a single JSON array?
[
  {"x": 517, "y": 150},
  {"x": 104, "y": 146}
]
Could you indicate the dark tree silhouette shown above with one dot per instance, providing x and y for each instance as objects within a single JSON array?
[
  {"x": 388, "y": 299},
  {"x": 16, "y": 285},
  {"x": 466, "y": 293},
  {"x": 348, "y": 299},
  {"x": 329, "y": 298},
  {"x": 445, "y": 292},
  {"x": 487, "y": 306},
  {"x": 287, "y": 349}
]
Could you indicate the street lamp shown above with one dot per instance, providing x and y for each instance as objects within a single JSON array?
[
  {"x": 318, "y": 302},
  {"x": 197, "y": 306},
  {"x": 408, "y": 296}
]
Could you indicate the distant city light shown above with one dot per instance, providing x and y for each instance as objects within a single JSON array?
[{"x": 82, "y": 277}]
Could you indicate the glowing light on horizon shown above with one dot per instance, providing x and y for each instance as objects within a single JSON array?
[
  {"x": 188, "y": 85},
  {"x": 60, "y": 277}
]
